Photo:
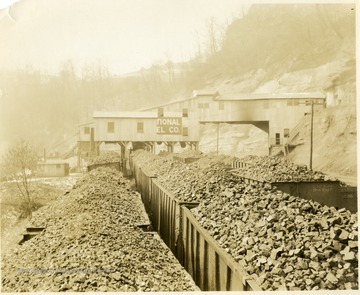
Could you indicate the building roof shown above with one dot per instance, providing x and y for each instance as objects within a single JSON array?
[
  {"x": 205, "y": 92},
  {"x": 52, "y": 162},
  {"x": 124, "y": 115},
  {"x": 246, "y": 96},
  {"x": 272, "y": 96},
  {"x": 85, "y": 123},
  {"x": 166, "y": 104}
]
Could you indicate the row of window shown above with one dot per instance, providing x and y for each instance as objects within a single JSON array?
[
  {"x": 278, "y": 138},
  {"x": 140, "y": 128},
  {"x": 221, "y": 105},
  {"x": 296, "y": 102},
  {"x": 206, "y": 105},
  {"x": 185, "y": 112}
]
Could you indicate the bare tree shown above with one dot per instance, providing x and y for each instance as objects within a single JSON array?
[
  {"x": 170, "y": 69},
  {"x": 212, "y": 35},
  {"x": 330, "y": 19},
  {"x": 19, "y": 163}
]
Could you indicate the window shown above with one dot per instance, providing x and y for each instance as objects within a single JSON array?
[
  {"x": 286, "y": 132},
  {"x": 140, "y": 127},
  {"x": 203, "y": 105},
  {"x": 86, "y": 130},
  {"x": 290, "y": 103},
  {"x": 221, "y": 105},
  {"x": 58, "y": 166},
  {"x": 308, "y": 102},
  {"x": 277, "y": 138},
  {"x": 185, "y": 113},
  {"x": 111, "y": 127},
  {"x": 160, "y": 112},
  {"x": 296, "y": 102},
  {"x": 185, "y": 131}
]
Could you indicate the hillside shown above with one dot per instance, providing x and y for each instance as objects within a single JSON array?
[
  {"x": 274, "y": 48},
  {"x": 275, "y": 39},
  {"x": 291, "y": 56}
]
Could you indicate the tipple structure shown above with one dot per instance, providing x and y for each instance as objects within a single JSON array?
[
  {"x": 87, "y": 147},
  {"x": 276, "y": 114},
  {"x": 179, "y": 121},
  {"x": 149, "y": 128}
]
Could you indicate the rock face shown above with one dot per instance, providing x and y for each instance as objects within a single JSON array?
[
  {"x": 285, "y": 242},
  {"x": 91, "y": 243}
]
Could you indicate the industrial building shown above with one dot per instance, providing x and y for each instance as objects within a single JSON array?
[
  {"x": 128, "y": 129},
  {"x": 178, "y": 122},
  {"x": 276, "y": 114}
]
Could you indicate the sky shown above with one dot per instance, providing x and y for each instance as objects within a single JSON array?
[
  {"x": 124, "y": 35},
  {"x": 6, "y": 3}
]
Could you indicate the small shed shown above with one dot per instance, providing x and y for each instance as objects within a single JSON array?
[{"x": 52, "y": 169}]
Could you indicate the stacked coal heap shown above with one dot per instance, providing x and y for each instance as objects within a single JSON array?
[
  {"x": 275, "y": 169},
  {"x": 106, "y": 158},
  {"x": 284, "y": 242},
  {"x": 92, "y": 243}
]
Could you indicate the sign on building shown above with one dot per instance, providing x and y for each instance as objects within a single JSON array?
[{"x": 169, "y": 126}]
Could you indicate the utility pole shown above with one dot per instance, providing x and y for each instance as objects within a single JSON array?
[
  {"x": 311, "y": 133},
  {"x": 78, "y": 152},
  {"x": 217, "y": 139}
]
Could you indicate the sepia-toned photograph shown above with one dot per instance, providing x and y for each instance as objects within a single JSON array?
[{"x": 178, "y": 146}]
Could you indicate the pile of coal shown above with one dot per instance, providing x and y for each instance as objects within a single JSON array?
[
  {"x": 284, "y": 242},
  {"x": 189, "y": 182},
  {"x": 275, "y": 169},
  {"x": 92, "y": 242},
  {"x": 105, "y": 158}
]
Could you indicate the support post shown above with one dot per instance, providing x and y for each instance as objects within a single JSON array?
[
  {"x": 196, "y": 145},
  {"x": 311, "y": 133},
  {"x": 92, "y": 143},
  {"x": 170, "y": 147},
  {"x": 217, "y": 139},
  {"x": 97, "y": 151},
  {"x": 78, "y": 153},
  {"x": 122, "y": 149}
]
